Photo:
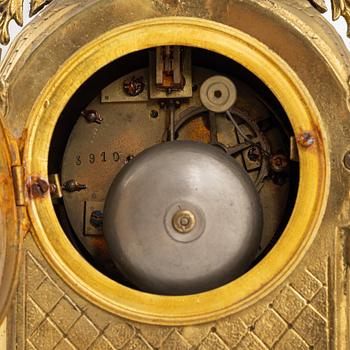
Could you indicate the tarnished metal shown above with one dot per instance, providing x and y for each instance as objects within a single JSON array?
[
  {"x": 93, "y": 218},
  {"x": 154, "y": 113},
  {"x": 13, "y": 10},
  {"x": 12, "y": 223},
  {"x": 285, "y": 84},
  {"x": 94, "y": 155},
  {"x": 278, "y": 162},
  {"x": 134, "y": 86},
  {"x": 73, "y": 186},
  {"x": 184, "y": 221},
  {"x": 170, "y": 75},
  {"x": 196, "y": 219},
  {"x": 305, "y": 139},
  {"x": 55, "y": 186},
  {"x": 96, "y": 218},
  {"x": 169, "y": 69},
  {"x": 115, "y": 92},
  {"x": 92, "y": 116},
  {"x": 297, "y": 296},
  {"x": 339, "y": 8},
  {"x": 18, "y": 182},
  {"x": 37, "y": 187},
  {"x": 218, "y": 94}
]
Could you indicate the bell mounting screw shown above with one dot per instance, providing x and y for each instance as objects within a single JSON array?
[
  {"x": 306, "y": 139},
  {"x": 92, "y": 116},
  {"x": 73, "y": 186}
]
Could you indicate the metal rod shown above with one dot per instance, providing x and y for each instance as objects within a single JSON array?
[
  {"x": 172, "y": 108},
  {"x": 246, "y": 139},
  {"x": 213, "y": 128}
]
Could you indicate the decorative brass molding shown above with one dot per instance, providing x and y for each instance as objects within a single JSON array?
[
  {"x": 339, "y": 8},
  {"x": 10, "y": 10},
  {"x": 192, "y": 308},
  {"x": 319, "y": 5},
  {"x": 13, "y": 10},
  {"x": 37, "y": 5},
  {"x": 342, "y": 8},
  {"x": 296, "y": 316},
  {"x": 307, "y": 309}
]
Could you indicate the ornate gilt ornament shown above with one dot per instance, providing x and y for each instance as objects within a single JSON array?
[
  {"x": 13, "y": 10},
  {"x": 339, "y": 8}
]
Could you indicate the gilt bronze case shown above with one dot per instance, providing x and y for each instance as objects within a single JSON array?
[{"x": 53, "y": 293}]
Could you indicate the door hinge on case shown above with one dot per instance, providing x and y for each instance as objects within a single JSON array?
[
  {"x": 18, "y": 183},
  {"x": 20, "y": 197}
]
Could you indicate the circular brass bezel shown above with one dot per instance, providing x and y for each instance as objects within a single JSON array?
[{"x": 304, "y": 221}]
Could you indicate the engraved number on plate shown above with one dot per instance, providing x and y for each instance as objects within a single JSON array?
[{"x": 93, "y": 158}]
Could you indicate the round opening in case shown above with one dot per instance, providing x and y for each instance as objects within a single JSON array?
[
  {"x": 176, "y": 170},
  {"x": 172, "y": 203}
]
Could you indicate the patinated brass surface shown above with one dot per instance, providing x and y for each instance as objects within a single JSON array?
[
  {"x": 295, "y": 298},
  {"x": 300, "y": 230},
  {"x": 10, "y": 238},
  {"x": 95, "y": 153},
  {"x": 339, "y": 8},
  {"x": 13, "y": 10},
  {"x": 297, "y": 315}
]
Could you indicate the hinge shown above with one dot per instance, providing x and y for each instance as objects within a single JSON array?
[
  {"x": 347, "y": 247},
  {"x": 18, "y": 183}
]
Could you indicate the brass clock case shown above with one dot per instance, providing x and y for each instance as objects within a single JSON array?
[
  {"x": 308, "y": 76},
  {"x": 301, "y": 229},
  {"x": 11, "y": 227}
]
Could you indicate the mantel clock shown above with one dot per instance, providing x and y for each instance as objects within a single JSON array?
[{"x": 174, "y": 175}]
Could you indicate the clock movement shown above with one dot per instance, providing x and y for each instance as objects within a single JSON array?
[{"x": 174, "y": 175}]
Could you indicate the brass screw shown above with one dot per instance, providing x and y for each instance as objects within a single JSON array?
[
  {"x": 73, "y": 186},
  {"x": 129, "y": 159},
  {"x": 92, "y": 116},
  {"x": 184, "y": 221},
  {"x": 134, "y": 86},
  {"x": 278, "y": 162},
  {"x": 39, "y": 188},
  {"x": 154, "y": 114},
  {"x": 306, "y": 139},
  {"x": 53, "y": 188},
  {"x": 96, "y": 218}
]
